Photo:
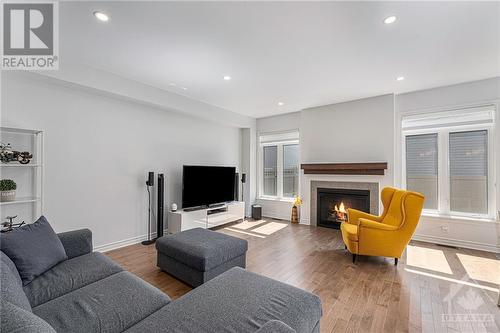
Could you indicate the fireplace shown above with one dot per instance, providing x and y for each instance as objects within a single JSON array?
[{"x": 334, "y": 202}]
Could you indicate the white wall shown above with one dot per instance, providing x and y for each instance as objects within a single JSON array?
[
  {"x": 357, "y": 131},
  {"x": 458, "y": 232},
  {"x": 280, "y": 123},
  {"x": 98, "y": 150}
]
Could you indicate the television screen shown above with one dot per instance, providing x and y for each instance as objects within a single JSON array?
[{"x": 206, "y": 185}]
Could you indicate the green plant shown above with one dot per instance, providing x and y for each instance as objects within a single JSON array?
[{"x": 7, "y": 185}]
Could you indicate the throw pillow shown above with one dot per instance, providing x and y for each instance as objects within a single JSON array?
[{"x": 34, "y": 249}]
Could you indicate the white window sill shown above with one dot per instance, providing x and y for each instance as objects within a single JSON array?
[
  {"x": 290, "y": 200},
  {"x": 459, "y": 217}
]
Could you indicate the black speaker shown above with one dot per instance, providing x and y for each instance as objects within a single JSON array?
[
  {"x": 257, "y": 212},
  {"x": 161, "y": 199},
  {"x": 151, "y": 179},
  {"x": 236, "y": 187},
  {"x": 243, "y": 178},
  {"x": 149, "y": 182}
]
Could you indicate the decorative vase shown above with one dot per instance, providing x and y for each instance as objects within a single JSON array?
[
  {"x": 6, "y": 196},
  {"x": 295, "y": 215}
]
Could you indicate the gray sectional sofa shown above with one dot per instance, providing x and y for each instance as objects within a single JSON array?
[{"x": 90, "y": 293}]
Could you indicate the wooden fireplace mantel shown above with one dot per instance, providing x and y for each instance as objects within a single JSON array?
[{"x": 345, "y": 168}]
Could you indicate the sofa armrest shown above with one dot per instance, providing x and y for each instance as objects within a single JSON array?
[
  {"x": 76, "y": 242},
  {"x": 275, "y": 326}
]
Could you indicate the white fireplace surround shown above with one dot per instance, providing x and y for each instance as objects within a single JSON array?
[{"x": 369, "y": 186}]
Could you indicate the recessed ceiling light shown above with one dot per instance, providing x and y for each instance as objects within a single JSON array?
[
  {"x": 184, "y": 88},
  {"x": 390, "y": 19},
  {"x": 281, "y": 103},
  {"x": 101, "y": 16},
  {"x": 400, "y": 78},
  {"x": 227, "y": 77},
  {"x": 172, "y": 84}
]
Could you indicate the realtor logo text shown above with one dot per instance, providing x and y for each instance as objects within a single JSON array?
[{"x": 30, "y": 36}]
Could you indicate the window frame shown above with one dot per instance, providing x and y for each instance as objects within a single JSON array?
[
  {"x": 444, "y": 195},
  {"x": 279, "y": 192}
]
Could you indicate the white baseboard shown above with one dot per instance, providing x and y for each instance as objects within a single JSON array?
[
  {"x": 457, "y": 243},
  {"x": 277, "y": 217},
  {"x": 124, "y": 242}
]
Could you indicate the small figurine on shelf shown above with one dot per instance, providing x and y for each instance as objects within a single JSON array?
[
  {"x": 295, "y": 209},
  {"x": 9, "y": 225},
  {"x": 8, "y": 155}
]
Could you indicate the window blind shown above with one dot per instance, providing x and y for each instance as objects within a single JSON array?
[
  {"x": 469, "y": 153},
  {"x": 422, "y": 167},
  {"x": 421, "y": 155}
]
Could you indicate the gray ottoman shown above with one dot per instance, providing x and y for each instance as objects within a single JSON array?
[{"x": 198, "y": 255}]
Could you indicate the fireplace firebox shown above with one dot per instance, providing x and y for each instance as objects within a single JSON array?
[{"x": 333, "y": 204}]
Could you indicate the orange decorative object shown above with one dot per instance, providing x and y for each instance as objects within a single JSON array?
[{"x": 295, "y": 215}]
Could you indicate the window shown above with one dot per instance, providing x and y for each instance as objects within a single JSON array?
[
  {"x": 422, "y": 167},
  {"x": 448, "y": 158},
  {"x": 469, "y": 172},
  {"x": 290, "y": 170},
  {"x": 279, "y": 165},
  {"x": 271, "y": 170}
]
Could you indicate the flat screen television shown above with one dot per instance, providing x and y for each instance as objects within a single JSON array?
[{"x": 207, "y": 185}]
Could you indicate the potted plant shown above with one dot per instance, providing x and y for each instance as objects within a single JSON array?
[
  {"x": 295, "y": 210},
  {"x": 7, "y": 190}
]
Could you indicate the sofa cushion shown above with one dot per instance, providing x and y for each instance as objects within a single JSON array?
[
  {"x": 112, "y": 304},
  {"x": 16, "y": 319},
  {"x": 11, "y": 285},
  {"x": 201, "y": 249},
  {"x": 34, "y": 248},
  {"x": 236, "y": 301},
  {"x": 70, "y": 275}
]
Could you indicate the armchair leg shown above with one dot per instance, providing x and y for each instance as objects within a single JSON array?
[
  {"x": 395, "y": 261},
  {"x": 353, "y": 258}
]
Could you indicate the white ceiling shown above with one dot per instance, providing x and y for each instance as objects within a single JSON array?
[{"x": 301, "y": 53}]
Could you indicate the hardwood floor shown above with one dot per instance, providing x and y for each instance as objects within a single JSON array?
[{"x": 433, "y": 288}]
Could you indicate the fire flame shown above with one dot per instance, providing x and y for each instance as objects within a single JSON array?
[{"x": 340, "y": 211}]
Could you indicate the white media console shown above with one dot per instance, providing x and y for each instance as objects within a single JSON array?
[{"x": 182, "y": 220}]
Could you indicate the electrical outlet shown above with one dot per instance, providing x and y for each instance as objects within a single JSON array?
[{"x": 444, "y": 228}]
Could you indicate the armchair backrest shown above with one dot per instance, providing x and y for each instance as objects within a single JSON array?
[
  {"x": 386, "y": 197},
  {"x": 404, "y": 209}
]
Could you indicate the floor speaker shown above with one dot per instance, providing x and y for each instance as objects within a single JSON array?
[
  {"x": 161, "y": 202},
  {"x": 236, "y": 187}
]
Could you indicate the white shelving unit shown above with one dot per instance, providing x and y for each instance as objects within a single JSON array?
[{"x": 28, "y": 204}]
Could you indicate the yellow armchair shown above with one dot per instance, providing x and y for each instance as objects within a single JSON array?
[{"x": 388, "y": 234}]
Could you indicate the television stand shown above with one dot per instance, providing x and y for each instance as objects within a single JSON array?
[
  {"x": 216, "y": 205},
  {"x": 192, "y": 209},
  {"x": 207, "y": 217}
]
